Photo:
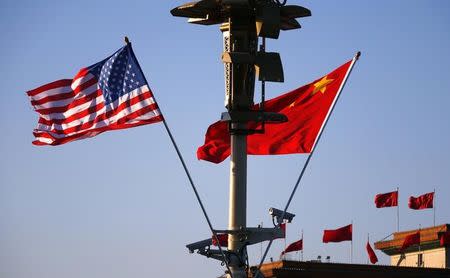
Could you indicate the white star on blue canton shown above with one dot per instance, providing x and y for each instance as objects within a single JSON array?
[{"x": 118, "y": 75}]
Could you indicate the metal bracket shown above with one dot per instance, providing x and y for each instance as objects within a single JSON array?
[
  {"x": 250, "y": 236},
  {"x": 203, "y": 248},
  {"x": 253, "y": 117},
  {"x": 267, "y": 64},
  {"x": 199, "y": 245}
]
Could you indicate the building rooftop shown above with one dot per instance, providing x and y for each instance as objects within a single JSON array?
[
  {"x": 291, "y": 269},
  {"x": 429, "y": 239}
]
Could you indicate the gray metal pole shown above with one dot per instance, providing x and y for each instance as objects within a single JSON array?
[
  {"x": 434, "y": 208},
  {"x": 398, "y": 211},
  {"x": 238, "y": 200},
  {"x": 351, "y": 246},
  {"x": 239, "y": 36}
]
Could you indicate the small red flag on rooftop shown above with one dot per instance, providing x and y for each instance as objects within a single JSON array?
[
  {"x": 338, "y": 235},
  {"x": 444, "y": 238},
  {"x": 410, "y": 240},
  {"x": 424, "y": 201},
  {"x": 295, "y": 246},
  {"x": 372, "y": 256},
  {"x": 389, "y": 199}
]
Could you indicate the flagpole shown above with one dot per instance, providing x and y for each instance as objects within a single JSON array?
[
  {"x": 285, "y": 235},
  {"x": 368, "y": 243},
  {"x": 434, "y": 207},
  {"x": 351, "y": 246},
  {"x": 303, "y": 245},
  {"x": 398, "y": 211},
  {"x": 358, "y": 54},
  {"x": 261, "y": 244},
  {"x": 186, "y": 170},
  {"x": 420, "y": 227}
]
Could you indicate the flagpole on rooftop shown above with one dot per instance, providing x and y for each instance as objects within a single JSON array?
[
  {"x": 434, "y": 207},
  {"x": 261, "y": 244},
  {"x": 398, "y": 210},
  {"x": 186, "y": 170},
  {"x": 351, "y": 246},
  {"x": 420, "y": 227},
  {"x": 355, "y": 58},
  {"x": 368, "y": 243},
  {"x": 285, "y": 235},
  {"x": 303, "y": 245}
]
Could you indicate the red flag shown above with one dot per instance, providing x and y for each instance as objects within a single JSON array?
[
  {"x": 306, "y": 108},
  {"x": 410, "y": 240},
  {"x": 295, "y": 246},
  {"x": 422, "y": 202},
  {"x": 223, "y": 240},
  {"x": 341, "y": 234},
  {"x": 386, "y": 199},
  {"x": 283, "y": 228},
  {"x": 445, "y": 238},
  {"x": 372, "y": 256}
]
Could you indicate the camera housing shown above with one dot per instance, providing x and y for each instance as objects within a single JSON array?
[{"x": 278, "y": 214}]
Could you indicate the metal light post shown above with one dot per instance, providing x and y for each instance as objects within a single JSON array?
[
  {"x": 242, "y": 22},
  {"x": 239, "y": 36}
]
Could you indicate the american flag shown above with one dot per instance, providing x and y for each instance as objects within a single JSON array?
[{"x": 111, "y": 94}]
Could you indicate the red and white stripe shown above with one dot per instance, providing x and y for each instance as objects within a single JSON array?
[{"x": 73, "y": 109}]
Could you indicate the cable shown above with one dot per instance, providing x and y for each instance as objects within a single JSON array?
[
  {"x": 186, "y": 171},
  {"x": 258, "y": 272}
]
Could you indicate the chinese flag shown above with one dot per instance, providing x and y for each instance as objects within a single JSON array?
[
  {"x": 306, "y": 108},
  {"x": 410, "y": 240},
  {"x": 372, "y": 256},
  {"x": 341, "y": 234},
  {"x": 444, "y": 238},
  {"x": 223, "y": 240},
  {"x": 295, "y": 246},
  {"x": 386, "y": 200},
  {"x": 422, "y": 202}
]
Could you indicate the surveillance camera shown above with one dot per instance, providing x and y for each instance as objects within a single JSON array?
[
  {"x": 199, "y": 245},
  {"x": 278, "y": 214}
]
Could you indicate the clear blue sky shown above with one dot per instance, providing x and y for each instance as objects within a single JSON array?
[{"x": 119, "y": 204}]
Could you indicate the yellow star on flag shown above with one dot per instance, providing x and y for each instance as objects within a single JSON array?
[{"x": 321, "y": 85}]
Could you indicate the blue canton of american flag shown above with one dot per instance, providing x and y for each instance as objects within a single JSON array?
[
  {"x": 111, "y": 94},
  {"x": 118, "y": 74}
]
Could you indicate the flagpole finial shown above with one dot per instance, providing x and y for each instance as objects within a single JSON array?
[
  {"x": 358, "y": 54},
  {"x": 127, "y": 41}
]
